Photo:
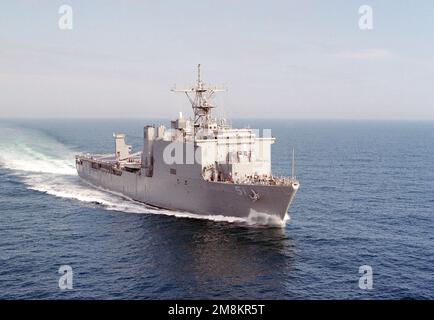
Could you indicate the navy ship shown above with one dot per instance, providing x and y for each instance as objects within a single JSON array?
[{"x": 200, "y": 165}]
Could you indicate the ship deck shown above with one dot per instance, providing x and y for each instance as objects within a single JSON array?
[
  {"x": 108, "y": 158},
  {"x": 109, "y": 161}
]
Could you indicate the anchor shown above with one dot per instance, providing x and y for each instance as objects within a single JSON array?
[{"x": 254, "y": 196}]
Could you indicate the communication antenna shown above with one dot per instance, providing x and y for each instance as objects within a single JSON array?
[{"x": 200, "y": 97}]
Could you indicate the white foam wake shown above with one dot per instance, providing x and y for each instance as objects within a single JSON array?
[
  {"x": 46, "y": 165},
  {"x": 264, "y": 219},
  {"x": 27, "y": 150}
]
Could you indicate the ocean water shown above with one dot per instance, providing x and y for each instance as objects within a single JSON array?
[{"x": 366, "y": 198}]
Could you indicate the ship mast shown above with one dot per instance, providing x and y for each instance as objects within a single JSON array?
[{"x": 199, "y": 97}]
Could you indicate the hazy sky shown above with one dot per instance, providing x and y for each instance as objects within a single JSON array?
[{"x": 278, "y": 59}]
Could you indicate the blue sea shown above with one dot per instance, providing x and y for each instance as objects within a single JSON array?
[{"x": 366, "y": 198}]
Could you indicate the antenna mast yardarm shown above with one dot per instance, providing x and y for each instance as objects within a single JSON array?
[{"x": 200, "y": 97}]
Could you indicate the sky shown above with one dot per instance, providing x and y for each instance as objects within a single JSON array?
[{"x": 277, "y": 59}]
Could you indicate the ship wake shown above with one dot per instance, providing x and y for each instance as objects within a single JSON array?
[{"x": 45, "y": 165}]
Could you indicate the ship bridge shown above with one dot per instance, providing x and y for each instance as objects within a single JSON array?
[{"x": 222, "y": 153}]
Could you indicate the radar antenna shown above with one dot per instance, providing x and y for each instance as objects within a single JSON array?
[{"x": 200, "y": 97}]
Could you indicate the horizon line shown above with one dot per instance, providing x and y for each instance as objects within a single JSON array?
[{"x": 235, "y": 118}]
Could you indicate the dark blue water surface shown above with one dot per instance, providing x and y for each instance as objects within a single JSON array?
[{"x": 366, "y": 198}]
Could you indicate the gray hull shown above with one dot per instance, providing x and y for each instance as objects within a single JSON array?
[{"x": 197, "y": 196}]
